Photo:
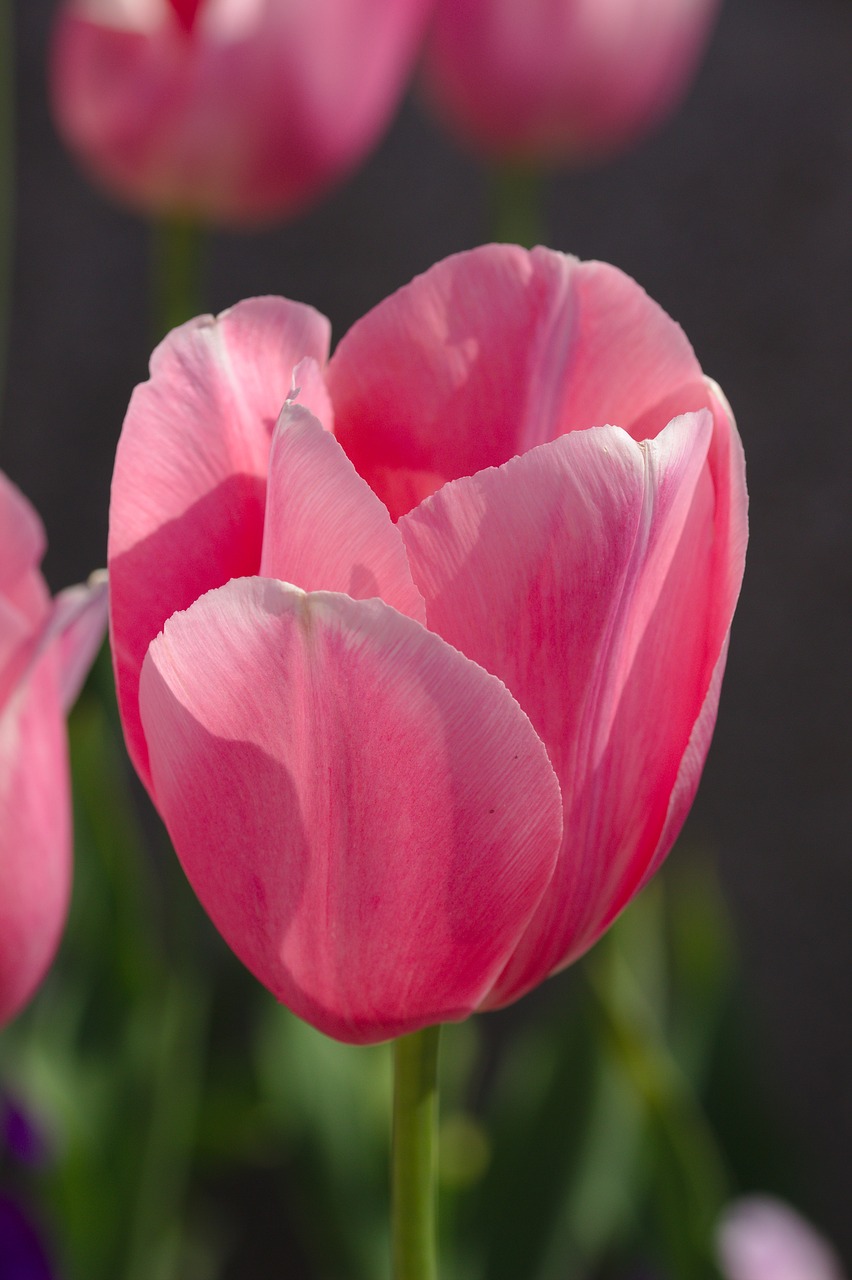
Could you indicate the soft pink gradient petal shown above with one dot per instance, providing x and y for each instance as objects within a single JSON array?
[
  {"x": 44, "y": 650},
  {"x": 35, "y": 834},
  {"x": 240, "y": 113},
  {"x": 188, "y": 488},
  {"x": 77, "y": 624},
  {"x": 555, "y": 81},
  {"x": 367, "y": 816},
  {"x": 584, "y": 575},
  {"x": 760, "y": 1238},
  {"x": 22, "y": 546},
  {"x": 325, "y": 529},
  {"x": 494, "y": 351},
  {"x": 310, "y": 391},
  {"x": 24, "y": 599}
]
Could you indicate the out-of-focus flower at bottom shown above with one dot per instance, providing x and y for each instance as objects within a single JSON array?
[
  {"x": 20, "y": 1136},
  {"x": 760, "y": 1238},
  {"x": 22, "y": 1253}
]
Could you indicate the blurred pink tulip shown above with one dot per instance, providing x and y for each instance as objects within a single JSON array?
[
  {"x": 513, "y": 514},
  {"x": 45, "y": 650},
  {"x": 550, "y": 81},
  {"x": 233, "y": 111},
  {"x": 761, "y": 1238}
]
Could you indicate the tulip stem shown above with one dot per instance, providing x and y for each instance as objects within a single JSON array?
[
  {"x": 413, "y": 1164},
  {"x": 516, "y": 205},
  {"x": 176, "y": 273}
]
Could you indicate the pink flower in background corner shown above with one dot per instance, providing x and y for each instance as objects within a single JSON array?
[
  {"x": 761, "y": 1238},
  {"x": 229, "y": 111},
  {"x": 560, "y": 81},
  {"x": 422, "y": 678},
  {"x": 45, "y": 650}
]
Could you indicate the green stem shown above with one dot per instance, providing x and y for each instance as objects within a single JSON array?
[
  {"x": 176, "y": 273},
  {"x": 7, "y": 179},
  {"x": 179, "y": 1028},
  {"x": 516, "y": 205},
  {"x": 415, "y": 1114}
]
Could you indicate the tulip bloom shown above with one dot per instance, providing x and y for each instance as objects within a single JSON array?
[
  {"x": 553, "y": 81},
  {"x": 760, "y": 1238},
  {"x": 422, "y": 678},
  {"x": 45, "y": 651},
  {"x": 233, "y": 111}
]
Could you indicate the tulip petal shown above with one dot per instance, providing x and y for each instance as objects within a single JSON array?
[
  {"x": 22, "y": 546},
  {"x": 497, "y": 350},
  {"x": 189, "y": 485},
  {"x": 77, "y": 625},
  {"x": 35, "y": 834},
  {"x": 583, "y": 574},
  {"x": 309, "y": 389},
  {"x": 24, "y": 600},
  {"x": 325, "y": 529},
  {"x": 367, "y": 816}
]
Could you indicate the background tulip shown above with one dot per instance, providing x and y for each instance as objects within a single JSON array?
[
  {"x": 518, "y": 451},
  {"x": 45, "y": 650},
  {"x": 550, "y": 81},
  {"x": 760, "y": 1238},
  {"x": 233, "y": 111}
]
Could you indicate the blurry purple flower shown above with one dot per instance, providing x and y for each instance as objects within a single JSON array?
[
  {"x": 20, "y": 1135},
  {"x": 22, "y": 1254},
  {"x": 760, "y": 1238}
]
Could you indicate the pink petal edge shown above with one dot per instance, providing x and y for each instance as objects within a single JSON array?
[{"x": 325, "y": 529}]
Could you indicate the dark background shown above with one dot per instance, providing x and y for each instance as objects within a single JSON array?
[{"x": 737, "y": 217}]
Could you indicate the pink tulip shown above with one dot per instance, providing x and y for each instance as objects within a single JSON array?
[
  {"x": 236, "y": 111},
  {"x": 547, "y": 81},
  {"x": 760, "y": 1238},
  {"x": 472, "y": 590},
  {"x": 45, "y": 650}
]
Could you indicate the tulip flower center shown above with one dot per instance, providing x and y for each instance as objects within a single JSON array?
[{"x": 186, "y": 11}]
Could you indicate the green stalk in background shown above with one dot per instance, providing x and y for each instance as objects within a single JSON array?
[
  {"x": 413, "y": 1161},
  {"x": 176, "y": 273},
  {"x": 516, "y": 195}
]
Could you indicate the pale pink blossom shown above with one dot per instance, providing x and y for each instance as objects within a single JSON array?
[
  {"x": 45, "y": 650},
  {"x": 422, "y": 669},
  {"x": 553, "y": 81},
  {"x": 236, "y": 111},
  {"x": 761, "y": 1238}
]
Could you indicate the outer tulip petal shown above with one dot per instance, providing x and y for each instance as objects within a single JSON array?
[
  {"x": 367, "y": 816},
  {"x": 22, "y": 546},
  {"x": 24, "y": 600},
  {"x": 189, "y": 484},
  {"x": 77, "y": 624},
  {"x": 582, "y": 575},
  {"x": 35, "y": 834},
  {"x": 325, "y": 529},
  {"x": 310, "y": 391},
  {"x": 495, "y": 351}
]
